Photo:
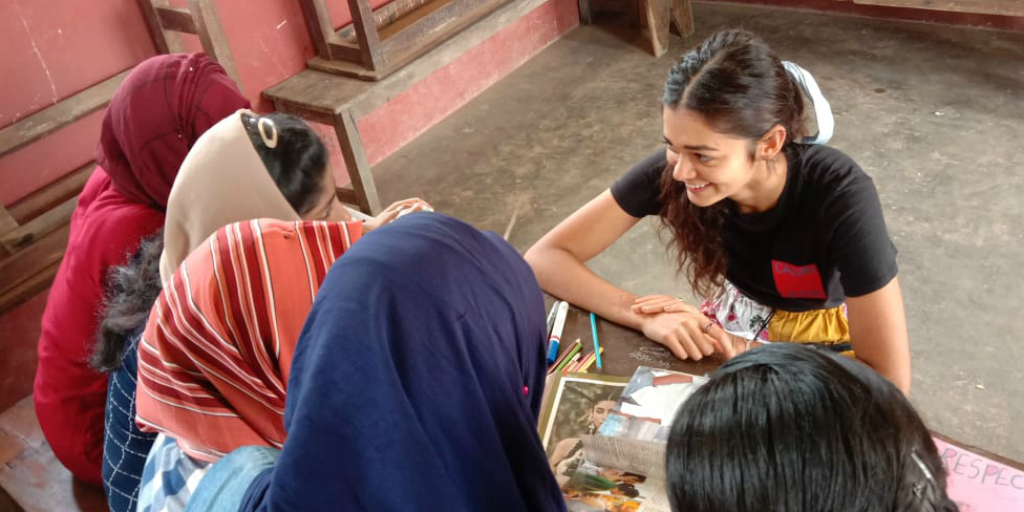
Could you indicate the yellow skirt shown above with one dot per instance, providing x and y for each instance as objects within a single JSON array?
[{"x": 741, "y": 316}]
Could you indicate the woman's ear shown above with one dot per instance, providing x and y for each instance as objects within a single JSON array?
[{"x": 771, "y": 143}]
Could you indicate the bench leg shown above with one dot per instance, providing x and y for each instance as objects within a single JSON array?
[
  {"x": 658, "y": 21},
  {"x": 682, "y": 17},
  {"x": 585, "y": 17},
  {"x": 356, "y": 163}
]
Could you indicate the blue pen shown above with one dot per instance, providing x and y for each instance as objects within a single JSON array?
[
  {"x": 556, "y": 332},
  {"x": 597, "y": 346}
]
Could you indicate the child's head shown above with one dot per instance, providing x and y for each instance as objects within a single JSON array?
[
  {"x": 789, "y": 428},
  {"x": 296, "y": 159}
]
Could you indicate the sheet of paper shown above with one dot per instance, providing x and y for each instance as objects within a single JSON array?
[
  {"x": 658, "y": 500},
  {"x": 980, "y": 484},
  {"x": 644, "y": 457}
]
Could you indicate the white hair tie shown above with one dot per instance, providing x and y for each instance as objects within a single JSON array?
[
  {"x": 265, "y": 125},
  {"x": 822, "y": 110}
]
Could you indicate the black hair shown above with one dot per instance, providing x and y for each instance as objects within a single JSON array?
[
  {"x": 129, "y": 294},
  {"x": 739, "y": 87},
  {"x": 298, "y": 163},
  {"x": 789, "y": 428}
]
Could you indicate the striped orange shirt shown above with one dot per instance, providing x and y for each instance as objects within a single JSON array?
[{"x": 214, "y": 359}]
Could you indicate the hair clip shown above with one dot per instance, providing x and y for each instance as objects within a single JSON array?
[
  {"x": 271, "y": 140},
  {"x": 919, "y": 488}
]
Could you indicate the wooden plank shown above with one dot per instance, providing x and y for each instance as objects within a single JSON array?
[
  {"x": 211, "y": 34},
  {"x": 36, "y": 228},
  {"x": 7, "y": 222},
  {"x": 682, "y": 17},
  {"x": 164, "y": 43},
  {"x": 418, "y": 32},
  {"x": 54, "y": 194},
  {"x": 345, "y": 50},
  {"x": 319, "y": 96},
  {"x": 440, "y": 56},
  {"x": 28, "y": 288},
  {"x": 318, "y": 21},
  {"x": 66, "y": 111},
  {"x": 384, "y": 16},
  {"x": 359, "y": 171},
  {"x": 25, "y": 263},
  {"x": 366, "y": 33},
  {"x": 347, "y": 195},
  {"x": 177, "y": 20},
  {"x": 585, "y": 17},
  {"x": 996, "y": 7},
  {"x": 658, "y": 19}
]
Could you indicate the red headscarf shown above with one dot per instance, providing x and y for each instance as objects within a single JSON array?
[
  {"x": 155, "y": 117},
  {"x": 164, "y": 105}
]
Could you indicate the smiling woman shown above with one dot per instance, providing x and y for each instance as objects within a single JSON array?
[{"x": 783, "y": 236}]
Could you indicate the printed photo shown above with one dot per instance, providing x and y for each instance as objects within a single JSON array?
[{"x": 577, "y": 405}]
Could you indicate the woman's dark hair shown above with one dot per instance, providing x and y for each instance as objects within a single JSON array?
[
  {"x": 739, "y": 87},
  {"x": 130, "y": 292},
  {"x": 789, "y": 428},
  {"x": 297, "y": 163}
]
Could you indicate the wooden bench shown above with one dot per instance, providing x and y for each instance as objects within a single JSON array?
[
  {"x": 340, "y": 101},
  {"x": 34, "y": 231},
  {"x": 655, "y": 19}
]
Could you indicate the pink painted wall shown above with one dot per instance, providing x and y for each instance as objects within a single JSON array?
[{"x": 54, "y": 49}]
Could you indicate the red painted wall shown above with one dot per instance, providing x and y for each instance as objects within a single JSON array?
[{"x": 54, "y": 49}]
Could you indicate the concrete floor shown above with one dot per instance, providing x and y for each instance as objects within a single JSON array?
[{"x": 934, "y": 113}]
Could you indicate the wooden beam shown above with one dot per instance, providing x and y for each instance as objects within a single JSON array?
[
  {"x": 54, "y": 194},
  {"x": 36, "y": 228},
  {"x": 318, "y": 21},
  {"x": 658, "y": 20},
  {"x": 359, "y": 171},
  {"x": 345, "y": 50},
  {"x": 177, "y": 20},
  {"x": 996, "y": 7},
  {"x": 585, "y": 17},
  {"x": 317, "y": 95},
  {"x": 165, "y": 42},
  {"x": 7, "y": 222},
  {"x": 417, "y": 33},
  {"x": 347, "y": 195},
  {"x": 384, "y": 16},
  {"x": 28, "y": 288},
  {"x": 366, "y": 33},
  {"x": 66, "y": 111},
  {"x": 211, "y": 34},
  {"x": 682, "y": 17},
  {"x": 27, "y": 262}
]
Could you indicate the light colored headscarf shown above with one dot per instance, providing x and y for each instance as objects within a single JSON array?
[{"x": 222, "y": 180}]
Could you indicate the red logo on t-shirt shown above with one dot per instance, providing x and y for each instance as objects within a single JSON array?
[{"x": 797, "y": 282}]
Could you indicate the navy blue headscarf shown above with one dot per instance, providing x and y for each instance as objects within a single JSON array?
[{"x": 417, "y": 381}]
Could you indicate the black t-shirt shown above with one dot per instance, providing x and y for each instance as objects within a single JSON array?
[{"x": 824, "y": 240}]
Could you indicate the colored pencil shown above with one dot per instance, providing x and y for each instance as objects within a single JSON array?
[
  {"x": 576, "y": 367},
  {"x": 572, "y": 363},
  {"x": 575, "y": 349},
  {"x": 561, "y": 358},
  {"x": 597, "y": 347},
  {"x": 586, "y": 364}
]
